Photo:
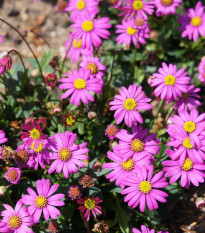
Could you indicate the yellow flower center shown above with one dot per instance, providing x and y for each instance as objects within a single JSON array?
[
  {"x": 196, "y": 21},
  {"x": 130, "y": 104},
  {"x": 64, "y": 154},
  {"x": 189, "y": 126},
  {"x": 80, "y": 5},
  {"x": 79, "y": 84},
  {"x": 138, "y": 5},
  {"x": 131, "y": 31},
  {"x": 188, "y": 165},
  {"x": 77, "y": 44},
  {"x": 89, "y": 204},
  {"x": 137, "y": 145},
  {"x": 145, "y": 186},
  {"x": 187, "y": 144},
  {"x": 14, "y": 221},
  {"x": 35, "y": 134},
  {"x": 170, "y": 80},
  {"x": 70, "y": 121},
  {"x": 39, "y": 149},
  {"x": 93, "y": 67},
  {"x": 41, "y": 202},
  {"x": 12, "y": 175},
  {"x": 128, "y": 165},
  {"x": 167, "y": 2},
  {"x": 87, "y": 26}
]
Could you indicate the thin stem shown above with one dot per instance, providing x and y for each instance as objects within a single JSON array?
[
  {"x": 198, "y": 84},
  {"x": 13, "y": 50},
  {"x": 134, "y": 60},
  {"x": 63, "y": 63},
  {"x": 23, "y": 38}
]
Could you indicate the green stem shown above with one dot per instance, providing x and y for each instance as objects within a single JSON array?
[
  {"x": 13, "y": 50},
  {"x": 64, "y": 59},
  {"x": 134, "y": 61},
  {"x": 198, "y": 84},
  {"x": 23, "y": 38}
]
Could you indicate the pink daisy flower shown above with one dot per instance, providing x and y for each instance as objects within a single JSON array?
[
  {"x": 196, "y": 24},
  {"x": 122, "y": 169},
  {"x": 13, "y": 175},
  {"x": 166, "y": 7},
  {"x": 111, "y": 131},
  {"x": 3, "y": 138},
  {"x": 193, "y": 124},
  {"x": 129, "y": 32},
  {"x": 138, "y": 143},
  {"x": 76, "y": 49},
  {"x": 201, "y": 70},
  {"x": 128, "y": 103},
  {"x": 189, "y": 171},
  {"x": 183, "y": 147},
  {"x": 43, "y": 201},
  {"x": 90, "y": 30},
  {"x": 67, "y": 156},
  {"x": 144, "y": 229},
  {"x": 80, "y": 86},
  {"x": 170, "y": 83},
  {"x": 89, "y": 204},
  {"x": 24, "y": 157},
  {"x": 143, "y": 188},
  {"x": 33, "y": 136},
  {"x": 189, "y": 100},
  {"x": 141, "y": 8},
  {"x": 81, "y": 7},
  {"x": 16, "y": 220},
  {"x": 1, "y": 39}
]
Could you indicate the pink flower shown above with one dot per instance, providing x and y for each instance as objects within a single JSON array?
[
  {"x": 166, "y": 7},
  {"x": 189, "y": 100},
  {"x": 24, "y": 157},
  {"x": 193, "y": 124},
  {"x": 80, "y": 85},
  {"x": 81, "y": 7},
  {"x": 170, "y": 83},
  {"x": 76, "y": 49},
  {"x": 90, "y": 30},
  {"x": 138, "y": 143},
  {"x": 13, "y": 175},
  {"x": 139, "y": 8},
  {"x": 43, "y": 201},
  {"x": 51, "y": 80},
  {"x": 128, "y": 103},
  {"x": 122, "y": 168},
  {"x": 89, "y": 204},
  {"x": 67, "y": 156},
  {"x": 189, "y": 171},
  {"x": 196, "y": 24},
  {"x": 16, "y": 220},
  {"x": 129, "y": 32},
  {"x": 111, "y": 131},
  {"x": 1, "y": 39},
  {"x": 143, "y": 188},
  {"x": 3, "y": 138},
  {"x": 144, "y": 229},
  {"x": 201, "y": 70},
  {"x": 75, "y": 191}
]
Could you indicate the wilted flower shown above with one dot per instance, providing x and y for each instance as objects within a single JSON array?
[
  {"x": 7, "y": 154},
  {"x": 86, "y": 181},
  {"x": 42, "y": 122},
  {"x": 101, "y": 227},
  {"x": 51, "y": 80},
  {"x": 15, "y": 124},
  {"x": 68, "y": 119},
  {"x": 53, "y": 227}
]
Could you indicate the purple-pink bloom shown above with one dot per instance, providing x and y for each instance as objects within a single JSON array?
[
  {"x": 170, "y": 82},
  {"x": 66, "y": 154},
  {"x": 122, "y": 168},
  {"x": 127, "y": 104},
  {"x": 43, "y": 201},
  {"x": 13, "y": 175},
  {"x": 76, "y": 49},
  {"x": 189, "y": 171},
  {"x": 75, "y": 191},
  {"x": 90, "y": 30},
  {"x": 1, "y": 39},
  {"x": 143, "y": 188},
  {"x": 189, "y": 100},
  {"x": 193, "y": 24},
  {"x": 111, "y": 131},
  {"x": 16, "y": 220},
  {"x": 24, "y": 157},
  {"x": 3, "y": 138},
  {"x": 144, "y": 229},
  {"x": 80, "y": 86},
  {"x": 138, "y": 143},
  {"x": 201, "y": 70},
  {"x": 166, "y": 7}
]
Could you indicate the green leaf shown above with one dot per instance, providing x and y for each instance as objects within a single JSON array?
[{"x": 46, "y": 58}]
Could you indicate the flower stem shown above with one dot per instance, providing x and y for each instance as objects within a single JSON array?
[
  {"x": 134, "y": 61},
  {"x": 13, "y": 50}
]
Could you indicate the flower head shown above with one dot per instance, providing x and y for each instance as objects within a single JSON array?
[
  {"x": 3, "y": 138},
  {"x": 86, "y": 181},
  {"x": 79, "y": 86},
  {"x": 24, "y": 157},
  {"x": 13, "y": 175},
  {"x": 68, "y": 119},
  {"x": 16, "y": 220},
  {"x": 43, "y": 201},
  {"x": 201, "y": 70},
  {"x": 51, "y": 80},
  {"x": 143, "y": 188},
  {"x": 53, "y": 227},
  {"x": 166, "y": 7},
  {"x": 170, "y": 83},
  {"x": 75, "y": 191},
  {"x": 89, "y": 204},
  {"x": 66, "y": 154},
  {"x": 111, "y": 131},
  {"x": 128, "y": 103}
]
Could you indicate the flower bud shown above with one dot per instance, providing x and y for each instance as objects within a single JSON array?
[
  {"x": 91, "y": 115},
  {"x": 97, "y": 166},
  {"x": 200, "y": 203},
  {"x": 6, "y": 62},
  {"x": 51, "y": 80},
  {"x": 2, "y": 190}
]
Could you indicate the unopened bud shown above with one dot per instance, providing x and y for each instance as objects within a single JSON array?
[
  {"x": 91, "y": 115},
  {"x": 2, "y": 190},
  {"x": 6, "y": 62},
  {"x": 200, "y": 203},
  {"x": 51, "y": 80},
  {"x": 97, "y": 166}
]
